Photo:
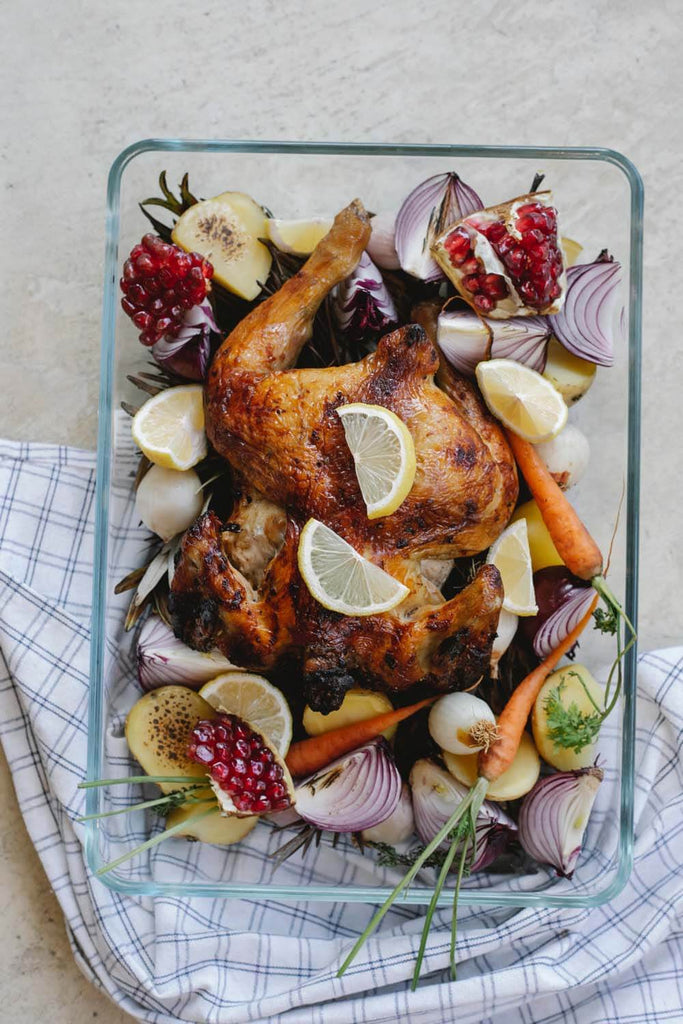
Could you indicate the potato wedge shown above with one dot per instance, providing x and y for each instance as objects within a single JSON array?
[
  {"x": 520, "y": 777},
  {"x": 216, "y": 829},
  {"x": 158, "y": 728},
  {"x": 569, "y": 678}
]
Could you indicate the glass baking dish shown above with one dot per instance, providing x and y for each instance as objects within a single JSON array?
[{"x": 600, "y": 197}]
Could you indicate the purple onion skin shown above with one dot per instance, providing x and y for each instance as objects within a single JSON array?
[
  {"x": 552, "y": 586},
  {"x": 188, "y": 354},
  {"x": 539, "y": 829}
]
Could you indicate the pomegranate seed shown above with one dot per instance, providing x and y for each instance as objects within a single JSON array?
[
  {"x": 143, "y": 321},
  {"x": 471, "y": 266},
  {"x": 220, "y": 772},
  {"x": 494, "y": 286},
  {"x": 496, "y": 231},
  {"x": 160, "y": 279},
  {"x": 254, "y": 784},
  {"x": 472, "y": 282},
  {"x": 484, "y": 303}
]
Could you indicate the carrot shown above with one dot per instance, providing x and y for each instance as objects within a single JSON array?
[
  {"x": 574, "y": 544},
  {"x": 500, "y": 755},
  {"x": 308, "y": 756}
]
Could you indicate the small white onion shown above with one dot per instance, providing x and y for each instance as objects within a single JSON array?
[
  {"x": 381, "y": 247},
  {"x": 168, "y": 501},
  {"x": 505, "y": 630},
  {"x": 399, "y": 826},
  {"x": 461, "y": 723},
  {"x": 566, "y": 456}
]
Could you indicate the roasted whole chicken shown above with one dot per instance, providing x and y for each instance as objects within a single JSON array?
[{"x": 237, "y": 586}]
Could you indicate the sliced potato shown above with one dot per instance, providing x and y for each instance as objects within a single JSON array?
[
  {"x": 566, "y": 760},
  {"x": 214, "y": 828},
  {"x": 158, "y": 729},
  {"x": 571, "y": 249},
  {"x": 226, "y": 230},
  {"x": 571, "y": 375},
  {"x": 357, "y": 706},
  {"x": 520, "y": 777},
  {"x": 543, "y": 551}
]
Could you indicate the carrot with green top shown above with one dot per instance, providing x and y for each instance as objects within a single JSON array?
[{"x": 513, "y": 718}]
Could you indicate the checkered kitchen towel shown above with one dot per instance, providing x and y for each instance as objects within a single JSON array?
[{"x": 225, "y": 961}]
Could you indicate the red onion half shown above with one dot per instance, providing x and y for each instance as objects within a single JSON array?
[
  {"x": 562, "y": 599},
  {"x": 466, "y": 339},
  {"x": 430, "y": 208},
  {"x": 357, "y": 791},
  {"x": 590, "y": 317},
  {"x": 554, "y": 816},
  {"x": 436, "y": 794},
  {"x": 164, "y": 660}
]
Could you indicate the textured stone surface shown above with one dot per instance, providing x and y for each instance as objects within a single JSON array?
[{"x": 80, "y": 81}]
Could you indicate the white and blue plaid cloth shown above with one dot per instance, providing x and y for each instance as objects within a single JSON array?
[{"x": 224, "y": 962}]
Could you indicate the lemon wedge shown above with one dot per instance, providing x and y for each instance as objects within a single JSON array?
[
  {"x": 254, "y": 699},
  {"x": 169, "y": 428},
  {"x": 341, "y": 579},
  {"x": 511, "y": 556},
  {"x": 298, "y": 237},
  {"x": 522, "y": 399},
  {"x": 383, "y": 453}
]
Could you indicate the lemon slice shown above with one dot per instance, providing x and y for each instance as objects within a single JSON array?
[
  {"x": 299, "y": 237},
  {"x": 522, "y": 399},
  {"x": 341, "y": 579},
  {"x": 511, "y": 556},
  {"x": 384, "y": 455},
  {"x": 169, "y": 428},
  {"x": 254, "y": 699}
]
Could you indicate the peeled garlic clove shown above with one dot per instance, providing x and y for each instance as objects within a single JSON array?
[
  {"x": 168, "y": 500},
  {"x": 381, "y": 248},
  {"x": 462, "y": 723},
  {"x": 505, "y": 630}
]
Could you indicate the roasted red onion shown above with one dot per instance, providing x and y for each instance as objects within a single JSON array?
[
  {"x": 466, "y": 339},
  {"x": 436, "y": 794},
  {"x": 562, "y": 600},
  {"x": 554, "y": 816},
  {"x": 164, "y": 660},
  {"x": 425, "y": 214},
  {"x": 363, "y": 307},
  {"x": 188, "y": 353},
  {"x": 357, "y": 791},
  {"x": 587, "y": 323}
]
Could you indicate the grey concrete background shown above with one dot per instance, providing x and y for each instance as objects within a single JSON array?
[{"x": 81, "y": 80}]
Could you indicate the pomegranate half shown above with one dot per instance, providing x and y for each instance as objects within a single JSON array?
[{"x": 507, "y": 260}]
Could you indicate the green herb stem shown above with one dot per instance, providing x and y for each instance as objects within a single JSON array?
[
  {"x": 182, "y": 780},
  {"x": 155, "y": 840},
  {"x": 456, "y": 893},
  {"x": 169, "y": 798},
  {"x": 474, "y": 797}
]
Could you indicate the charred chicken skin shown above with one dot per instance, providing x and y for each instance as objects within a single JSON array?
[{"x": 237, "y": 586}]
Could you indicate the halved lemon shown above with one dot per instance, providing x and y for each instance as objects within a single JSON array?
[
  {"x": 384, "y": 455},
  {"x": 254, "y": 699},
  {"x": 522, "y": 399},
  {"x": 299, "y": 237},
  {"x": 341, "y": 579},
  {"x": 511, "y": 556},
  {"x": 169, "y": 428}
]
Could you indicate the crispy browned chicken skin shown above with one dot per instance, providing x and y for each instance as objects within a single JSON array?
[{"x": 237, "y": 586}]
